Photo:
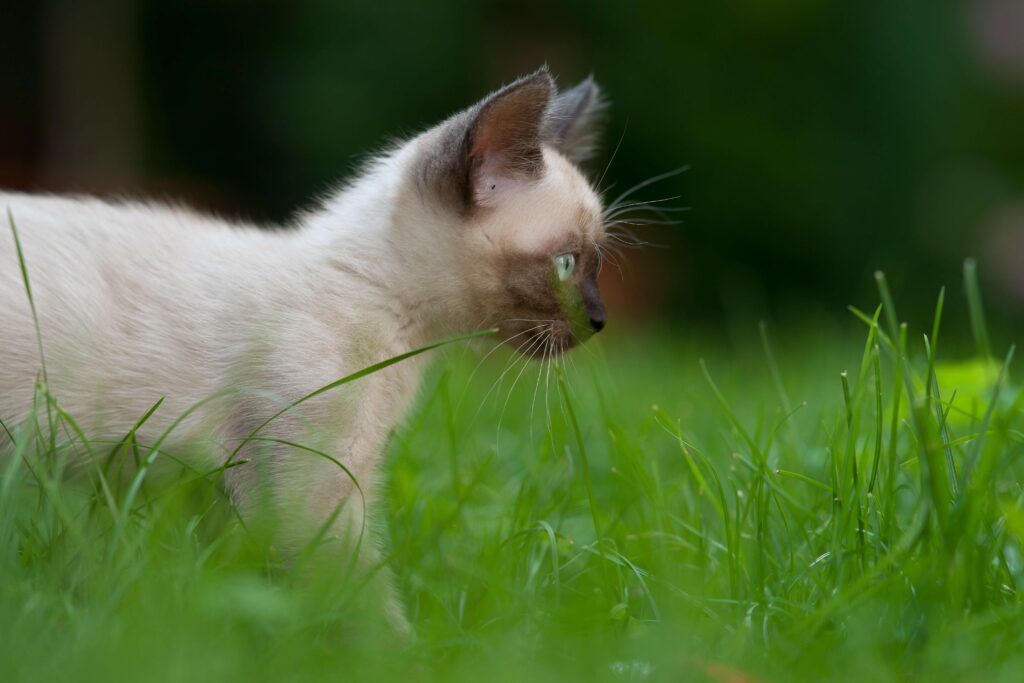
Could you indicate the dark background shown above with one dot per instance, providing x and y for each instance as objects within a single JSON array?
[{"x": 824, "y": 139}]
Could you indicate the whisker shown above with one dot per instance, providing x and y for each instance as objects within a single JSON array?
[
  {"x": 526, "y": 364},
  {"x": 536, "y": 387},
  {"x": 627, "y": 240},
  {"x": 639, "y": 222},
  {"x": 648, "y": 204},
  {"x": 486, "y": 356},
  {"x": 561, "y": 397},
  {"x": 612, "y": 157},
  {"x": 610, "y": 253},
  {"x": 547, "y": 392},
  {"x": 570, "y": 358},
  {"x": 645, "y": 183},
  {"x": 510, "y": 364}
]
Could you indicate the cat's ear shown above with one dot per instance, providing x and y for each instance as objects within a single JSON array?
[
  {"x": 573, "y": 121},
  {"x": 503, "y": 140},
  {"x": 493, "y": 142}
]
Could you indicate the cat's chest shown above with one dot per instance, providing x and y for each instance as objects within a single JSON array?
[{"x": 351, "y": 406}]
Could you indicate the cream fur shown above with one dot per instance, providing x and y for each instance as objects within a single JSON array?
[{"x": 138, "y": 302}]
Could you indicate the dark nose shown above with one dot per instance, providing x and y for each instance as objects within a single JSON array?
[{"x": 592, "y": 302}]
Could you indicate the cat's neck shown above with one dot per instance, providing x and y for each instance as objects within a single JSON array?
[{"x": 395, "y": 257}]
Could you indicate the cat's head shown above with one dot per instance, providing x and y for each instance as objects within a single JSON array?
[{"x": 528, "y": 223}]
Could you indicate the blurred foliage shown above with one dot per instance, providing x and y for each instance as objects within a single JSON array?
[{"x": 824, "y": 139}]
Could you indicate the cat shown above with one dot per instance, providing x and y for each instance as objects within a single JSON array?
[{"x": 483, "y": 221}]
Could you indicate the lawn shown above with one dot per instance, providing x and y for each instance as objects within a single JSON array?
[{"x": 835, "y": 500}]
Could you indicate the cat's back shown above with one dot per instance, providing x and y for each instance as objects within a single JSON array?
[
  {"x": 111, "y": 282},
  {"x": 83, "y": 254},
  {"x": 68, "y": 228}
]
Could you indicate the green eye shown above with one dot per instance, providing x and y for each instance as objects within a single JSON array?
[{"x": 564, "y": 263}]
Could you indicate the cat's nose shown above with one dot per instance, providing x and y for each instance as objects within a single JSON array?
[{"x": 592, "y": 303}]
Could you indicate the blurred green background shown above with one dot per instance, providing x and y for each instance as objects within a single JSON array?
[{"x": 823, "y": 139}]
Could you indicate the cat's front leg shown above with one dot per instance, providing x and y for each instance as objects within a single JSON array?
[
  {"x": 355, "y": 531},
  {"x": 351, "y": 548},
  {"x": 305, "y": 501},
  {"x": 384, "y": 592}
]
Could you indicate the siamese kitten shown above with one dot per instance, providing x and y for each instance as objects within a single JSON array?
[{"x": 481, "y": 222}]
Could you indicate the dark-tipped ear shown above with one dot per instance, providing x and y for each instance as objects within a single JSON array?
[
  {"x": 572, "y": 123},
  {"x": 504, "y": 136},
  {"x": 494, "y": 141}
]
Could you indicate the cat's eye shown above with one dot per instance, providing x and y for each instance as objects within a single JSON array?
[{"x": 564, "y": 263}]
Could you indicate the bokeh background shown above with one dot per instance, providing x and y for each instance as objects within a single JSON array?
[{"x": 824, "y": 140}]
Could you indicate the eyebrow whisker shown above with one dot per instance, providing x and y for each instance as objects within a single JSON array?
[{"x": 645, "y": 183}]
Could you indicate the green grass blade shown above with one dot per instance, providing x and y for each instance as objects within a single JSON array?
[
  {"x": 369, "y": 370},
  {"x": 975, "y": 309}
]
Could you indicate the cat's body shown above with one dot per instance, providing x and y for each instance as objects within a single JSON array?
[
  {"x": 155, "y": 303},
  {"x": 452, "y": 232}
]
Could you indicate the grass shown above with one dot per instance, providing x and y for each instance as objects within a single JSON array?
[{"x": 822, "y": 503}]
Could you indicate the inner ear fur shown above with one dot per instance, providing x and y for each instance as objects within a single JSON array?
[
  {"x": 498, "y": 138},
  {"x": 505, "y": 137}
]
